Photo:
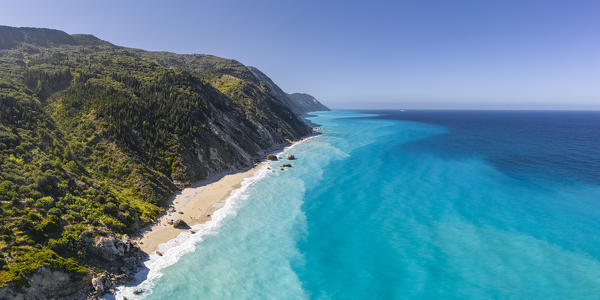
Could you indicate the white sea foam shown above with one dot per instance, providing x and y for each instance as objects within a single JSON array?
[{"x": 186, "y": 242}]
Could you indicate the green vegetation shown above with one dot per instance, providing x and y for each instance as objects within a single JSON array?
[{"x": 94, "y": 138}]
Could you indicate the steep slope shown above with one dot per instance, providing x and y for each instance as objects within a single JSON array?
[
  {"x": 306, "y": 103},
  {"x": 94, "y": 138},
  {"x": 299, "y": 103},
  {"x": 225, "y": 74}
]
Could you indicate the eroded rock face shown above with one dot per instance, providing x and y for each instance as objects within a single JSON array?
[
  {"x": 47, "y": 283},
  {"x": 109, "y": 248},
  {"x": 118, "y": 255},
  {"x": 102, "y": 283}
]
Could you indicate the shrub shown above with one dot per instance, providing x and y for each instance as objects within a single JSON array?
[
  {"x": 44, "y": 203},
  {"x": 54, "y": 211}
]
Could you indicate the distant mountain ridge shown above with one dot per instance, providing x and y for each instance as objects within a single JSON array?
[
  {"x": 11, "y": 37},
  {"x": 94, "y": 138},
  {"x": 306, "y": 103},
  {"x": 299, "y": 103}
]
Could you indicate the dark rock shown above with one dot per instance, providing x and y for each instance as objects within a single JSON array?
[
  {"x": 290, "y": 156},
  {"x": 179, "y": 223},
  {"x": 271, "y": 157},
  {"x": 102, "y": 283},
  {"x": 286, "y": 165},
  {"x": 138, "y": 291},
  {"x": 159, "y": 253}
]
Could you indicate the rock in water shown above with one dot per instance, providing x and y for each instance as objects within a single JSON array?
[
  {"x": 286, "y": 165},
  {"x": 179, "y": 223},
  {"x": 290, "y": 156},
  {"x": 271, "y": 157},
  {"x": 138, "y": 291}
]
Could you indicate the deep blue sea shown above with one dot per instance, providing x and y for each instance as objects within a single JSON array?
[{"x": 409, "y": 205}]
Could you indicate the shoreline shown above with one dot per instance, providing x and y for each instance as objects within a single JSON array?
[
  {"x": 194, "y": 205},
  {"x": 164, "y": 245}
]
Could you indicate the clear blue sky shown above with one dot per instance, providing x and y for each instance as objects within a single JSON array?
[{"x": 370, "y": 54}]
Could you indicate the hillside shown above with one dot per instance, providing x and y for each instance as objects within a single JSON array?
[
  {"x": 306, "y": 103},
  {"x": 94, "y": 138},
  {"x": 225, "y": 73}
]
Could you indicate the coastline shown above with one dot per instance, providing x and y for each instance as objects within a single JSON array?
[
  {"x": 194, "y": 205},
  {"x": 217, "y": 196}
]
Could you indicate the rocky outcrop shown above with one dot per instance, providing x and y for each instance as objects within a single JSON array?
[
  {"x": 102, "y": 283},
  {"x": 120, "y": 257},
  {"x": 290, "y": 156},
  {"x": 181, "y": 224},
  {"x": 272, "y": 157},
  {"x": 47, "y": 283}
]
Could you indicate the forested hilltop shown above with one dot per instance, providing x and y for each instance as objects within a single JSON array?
[{"x": 94, "y": 138}]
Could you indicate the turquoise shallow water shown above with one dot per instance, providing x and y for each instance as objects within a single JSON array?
[{"x": 369, "y": 211}]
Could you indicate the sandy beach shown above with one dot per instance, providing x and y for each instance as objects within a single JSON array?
[{"x": 194, "y": 205}]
